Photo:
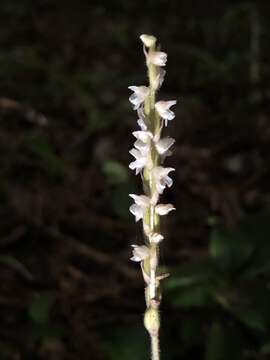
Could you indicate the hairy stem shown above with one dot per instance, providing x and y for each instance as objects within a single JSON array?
[
  {"x": 152, "y": 221},
  {"x": 155, "y": 347}
]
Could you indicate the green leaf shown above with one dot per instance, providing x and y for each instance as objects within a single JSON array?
[
  {"x": 115, "y": 172},
  {"x": 126, "y": 343},
  {"x": 192, "y": 330},
  {"x": 198, "y": 272},
  {"x": 258, "y": 228},
  {"x": 224, "y": 343},
  {"x": 40, "y": 307},
  {"x": 252, "y": 318},
  {"x": 44, "y": 151},
  {"x": 230, "y": 248},
  {"x": 265, "y": 349},
  {"x": 194, "y": 296},
  {"x": 16, "y": 265},
  {"x": 252, "y": 306},
  {"x": 120, "y": 201}
]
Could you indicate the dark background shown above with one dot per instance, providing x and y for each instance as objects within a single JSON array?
[{"x": 67, "y": 287}]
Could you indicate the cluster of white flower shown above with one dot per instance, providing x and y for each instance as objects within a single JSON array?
[{"x": 150, "y": 149}]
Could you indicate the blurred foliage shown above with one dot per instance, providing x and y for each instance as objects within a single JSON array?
[
  {"x": 43, "y": 328},
  {"x": 46, "y": 158},
  {"x": 66, "y": 181},
  {"x": 229, "y": 290}
]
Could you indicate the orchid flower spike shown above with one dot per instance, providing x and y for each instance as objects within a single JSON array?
[{"x": 150, "y": 149}]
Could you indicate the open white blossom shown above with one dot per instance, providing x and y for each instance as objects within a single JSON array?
[
  {"x": 143, "y": 141},
  {"x": 140, "y": 160},
  {"x": 139, "y": 253},
  {"x": 163, "y": 108},
  {"x": 139, "y": 95},
  {"x": 158, "y": 58},
  {"x": 142, "y": 202},
  {"x": 163, "y": 145},
  {"x": 164, "y": 209},
  {"x": 162, "y": 178}
]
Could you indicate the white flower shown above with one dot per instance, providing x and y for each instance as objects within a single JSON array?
[
  {"x": 163, "y": 108},
  {"x": 158, "y": 58},
  {"x": 140, "y": 162},
  {"x": 142, "y": 202},
  {"x": 144, "y": 136},
  {"x": 143, "y": 142},
  {"x": 148, "y": 40},
  {"x": 164, "y": 209},
  {"x": 159, "y": 78},
  {"x": 141, "y": 120},
  {"x": 141, "y": 124},
  {"x": 156, "y": 238},
  {"x": 162, "y": 178},
  {"x": 140, "y": 253},
  {"x": 139, "y": 95},
  {"x": 163, "y": 145},
  {"x": 144, "y": 148}
]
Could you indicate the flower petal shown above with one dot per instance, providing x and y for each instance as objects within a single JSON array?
[
  {"x": 143, "y": 135},
  {"x": 141, "y": 200},
  {"x": 142, "y": 147},
  {"x": 156, "y": 238},
  {"x": 164, "y": 209},
  {"x": 158, "y": 58},
  {"x": 141, "y": 124},
  {"x": 164, "y": 144},
  {"x": 163, "y": 108},
  {"x": 139, "y": 95},
  {"x": 137, "y": 211},
  {"x": 140, "y": 253},
  {"x": 159, "y": 79},
  {"x": 140, "y": 161}
]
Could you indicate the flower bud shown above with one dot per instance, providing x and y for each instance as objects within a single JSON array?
[{"x": 148, "y": 40}]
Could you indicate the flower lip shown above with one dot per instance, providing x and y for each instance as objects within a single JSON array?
[{"x": 158, "y": 58}]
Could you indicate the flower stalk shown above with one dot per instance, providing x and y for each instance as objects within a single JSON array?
[{"x": 149, "y": 152}]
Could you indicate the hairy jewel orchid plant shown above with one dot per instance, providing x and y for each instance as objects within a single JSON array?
[{"x": 150, "y": 151}]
